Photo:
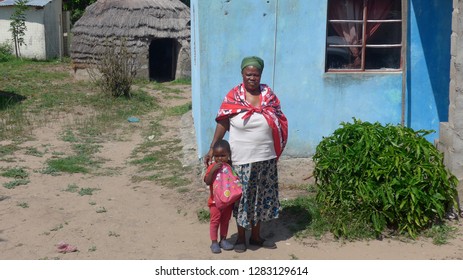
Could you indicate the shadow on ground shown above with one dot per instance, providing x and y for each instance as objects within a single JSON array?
[
  {"x": 8, "y": 99},
  {"x": 291, "y": 220}
]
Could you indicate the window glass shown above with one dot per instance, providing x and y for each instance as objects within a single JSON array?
[{"x": 364, "y": 35}]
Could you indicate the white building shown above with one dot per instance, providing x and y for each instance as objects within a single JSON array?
[{"x": 44, "y": 35}]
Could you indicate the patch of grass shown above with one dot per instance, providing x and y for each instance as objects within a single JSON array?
[
  {"x": 23, "y": 204},
  {"x": 110, "y": 114},
  {"x": 16, "y": 172},
  {"x": 82, "y": 162},
  {"x": 86, "y": 149},
  {"x": 146, "y": 160},
  {"x": 163, "y": 158},
  {"x": 6, "y": 150},
  {"x": 14, "y": 121},
  {"x": 183, "y": 81},
  {"x": 29, "y": 82},
  {"x": 32, "y": 151},
  {"x": 72, "y": 188},
  {"x": 304, "y": 217},
  {"x": 70, "y": 164},
  {"x": 18, "y": 182},
  {"x": 163, "y": 87},
  {"x": 33, "y": 89},
  {"x": 178, "y": 110},
  {"x": 92, "y": 248},
  {"x": 440, "y": 234},
  {"x": 69, "y": 136},
  {"x": 163, "y": 154},
  {"x": 49, "y": 171},
  {"x": 87, "y": 191},
  {"x": 174, "y": 181},
  {"x": 203, "y": 215},
  {"x": 159, "y": 160}
]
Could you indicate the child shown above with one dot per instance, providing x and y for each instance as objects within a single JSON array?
[{"x": 218, "y": 218}]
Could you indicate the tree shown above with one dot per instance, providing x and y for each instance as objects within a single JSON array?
[
  {"x": 18, "y": 25},
  {"x": 77, "y": 8}
]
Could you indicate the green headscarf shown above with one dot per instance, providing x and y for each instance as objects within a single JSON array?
[{"x": 252, "y": 61}]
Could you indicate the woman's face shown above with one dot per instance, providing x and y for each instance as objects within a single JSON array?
[{"x": 251, "y": 78}]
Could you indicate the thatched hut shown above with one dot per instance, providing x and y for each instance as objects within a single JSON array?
[{"x": 157, "y": 32}]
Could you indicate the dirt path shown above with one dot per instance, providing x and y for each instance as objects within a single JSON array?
[{"x": 143, "y": 220}]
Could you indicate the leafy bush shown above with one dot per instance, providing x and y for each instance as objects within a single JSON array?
[
  {"x": 6, "y": 52},
  {"x": 373, "y": 177}
]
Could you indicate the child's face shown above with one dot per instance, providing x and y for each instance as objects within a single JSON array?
[{"x": 221, "y": 155}]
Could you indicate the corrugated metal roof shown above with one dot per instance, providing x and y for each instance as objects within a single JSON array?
[{"x": 36, "y": 3}]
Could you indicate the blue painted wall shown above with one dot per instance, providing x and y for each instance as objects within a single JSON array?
[
  {"x": 429, "y": 63},
  {"x": 290, "y": 36}
]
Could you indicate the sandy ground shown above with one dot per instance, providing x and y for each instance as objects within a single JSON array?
[{"x": 126, "y": 220}]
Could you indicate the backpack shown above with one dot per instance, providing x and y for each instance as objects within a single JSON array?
[{"x": 226, "y": 187}]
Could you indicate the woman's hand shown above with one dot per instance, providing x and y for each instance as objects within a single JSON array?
[{"x": 208, "y": 158}]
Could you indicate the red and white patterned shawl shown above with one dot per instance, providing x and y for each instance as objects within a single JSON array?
[{"x": 235, "y": 102}]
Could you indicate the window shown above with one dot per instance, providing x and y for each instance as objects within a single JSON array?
[{"x": 364, "y": 35}]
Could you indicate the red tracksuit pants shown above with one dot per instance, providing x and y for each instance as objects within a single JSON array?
[{"x": 219, "y": 219}]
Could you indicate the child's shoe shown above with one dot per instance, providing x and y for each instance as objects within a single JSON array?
[
  {"x": 215, "y": 248},
  {"x": 224, "y": 244}
]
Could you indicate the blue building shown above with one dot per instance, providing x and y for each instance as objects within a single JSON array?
[{"x": 327, "y": 60}]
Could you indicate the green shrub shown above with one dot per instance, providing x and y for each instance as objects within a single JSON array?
[
  {"x": 372, "y": 177},
  {"x": 6, "y": 52}
]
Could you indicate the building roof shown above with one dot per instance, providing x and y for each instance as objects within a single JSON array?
[
  {"x": 134, "y": 20},
  {"x": 36, "y": 3}
]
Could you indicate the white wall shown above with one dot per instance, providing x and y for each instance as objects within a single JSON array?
[
  {"x": 35, "y": 39},
  {"x": 5, "y": 13}
]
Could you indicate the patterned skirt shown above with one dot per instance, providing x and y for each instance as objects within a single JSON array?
[{"x": 259, "y": 201}]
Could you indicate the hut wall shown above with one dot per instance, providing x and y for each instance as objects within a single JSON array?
[
  {"x": 143, "y": 60},
  {"x": 184, "y": 61},
  {"x": 141, "y": 23}
]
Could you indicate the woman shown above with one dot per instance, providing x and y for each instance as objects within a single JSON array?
[{"x": 258, "y": 131}]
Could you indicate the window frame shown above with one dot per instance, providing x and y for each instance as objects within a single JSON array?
[{"x": 363, "y": 46}]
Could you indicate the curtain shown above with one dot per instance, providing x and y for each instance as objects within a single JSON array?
[
  {"x": 377, "y": 9},
  {"x": 353, "y": 10}
]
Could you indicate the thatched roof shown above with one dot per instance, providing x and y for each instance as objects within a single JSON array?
[{"x": 137, "y": 21}]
